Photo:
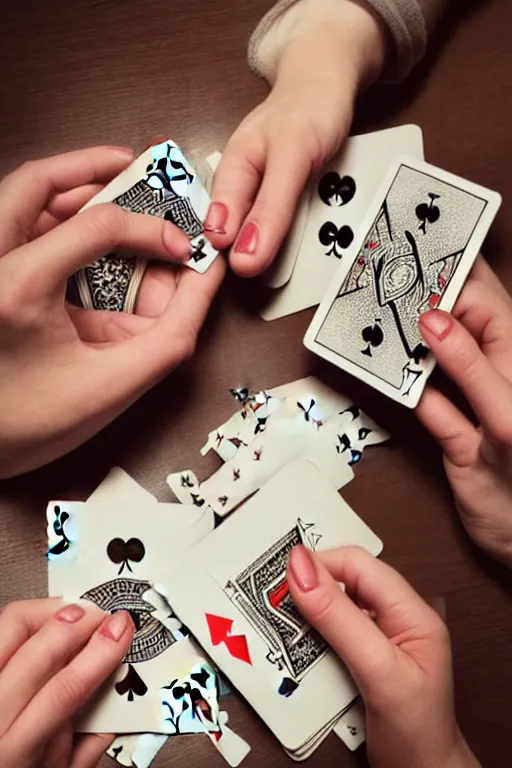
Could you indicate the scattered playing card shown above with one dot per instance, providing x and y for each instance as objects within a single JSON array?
[
  {"x": 330, "y": 214},
  {"x": 236, "y": 602},
  {"x": 416, "y": 248},
  {"x": 301, "y": 419},
  {"x": 161, "y": 183},
  {"x": 118, "y": 485},
  {"x": 136, "y": 750}
]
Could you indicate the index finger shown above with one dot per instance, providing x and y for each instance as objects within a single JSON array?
[
  {"x": 20, "y": 620},
  {"x": 287, "y": 170},
  {"x": 25, "y": 192},
  {"x": 363, "y": 644}
]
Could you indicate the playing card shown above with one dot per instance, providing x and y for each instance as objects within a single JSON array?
[
  {"x": 115, "y": 555},
  {"x": 331, "y": 213},
  {"x": 291, "y": 432},
  {"x": 161, "y": 183},
  {"x": 119, "y": 485},
  {"x": 280, "y": 272},
  {"x": 351, "y": 727},
  {"x": 236, "y": 602},
  {"x": 136, "y": 750},
  {"x": 415, "y": 250}
]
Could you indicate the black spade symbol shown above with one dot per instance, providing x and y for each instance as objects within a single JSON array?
[
  {"x": 373, "y": 336},
  {"x": 428, "y": 213},
  {"x": 121, "y": 552},
  {"x": 132, "y": 684},
  {"x": 330, "y": 236},
  {"x": 334, "y": 189},
  {"x": 287, "y": 687},
  {"x": 420, "y": 352},
  {"x": 363, "y": 433}
]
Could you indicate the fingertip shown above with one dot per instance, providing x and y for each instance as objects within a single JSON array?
[
  {"x": 436, "y": 324},
  {"x": 175, "y": 241},
  {"x": 302, "y": 569},
  {"x": 216, "y": 218},
  {"x": 118, "y": 626},
  {"x": 245, "y": 266}
]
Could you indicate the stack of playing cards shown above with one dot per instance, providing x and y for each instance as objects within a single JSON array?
[
  {"x": 230, "y": 590},
  {"x": 160, "y": 183}
]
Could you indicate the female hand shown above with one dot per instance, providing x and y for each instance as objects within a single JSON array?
[
  {"x": 67, "y": 372},
  {"x": 474, "y": 348},
  {"x": 326, "y": 57},
  {"x": 53, "y": 657},
  {"x": 396, "y": 648}
]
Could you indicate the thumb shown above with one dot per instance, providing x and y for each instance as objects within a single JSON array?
[{"x": 350, "y": 632}]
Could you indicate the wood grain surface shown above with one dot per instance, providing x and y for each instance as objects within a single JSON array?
[{"x": 80, "y": 74}]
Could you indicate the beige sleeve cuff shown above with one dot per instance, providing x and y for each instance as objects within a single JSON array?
[{"x": 408, "y": 21}]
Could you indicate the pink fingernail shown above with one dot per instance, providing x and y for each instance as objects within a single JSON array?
[
  {"x": 216, "y": 218},
  {"x": 124, "y": 152},
  {"x": 247, "y": 241},
  {"x": 303, "y": 568},
  {"x": 70, "y": 614},
  {"x": 116, "y": 625},
  {"x": 437, "y": 322}
]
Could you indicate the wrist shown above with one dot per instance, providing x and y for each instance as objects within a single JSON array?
[{"x": 325, "y": 39}]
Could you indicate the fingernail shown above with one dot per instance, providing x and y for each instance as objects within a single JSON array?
[
  {"x": 438, "y": 323},
  {"x": 247, "y": 241},
  {"x": 158, "y": 139},
  {"x": 178, "y": 246},
  {"x": 303, "y": 568},
  {"x": 116, "y": 625},
  {"x": 70, "y": 614},
  {"x": 124, "y": 152},
  {"x": 216, "y": 218}
]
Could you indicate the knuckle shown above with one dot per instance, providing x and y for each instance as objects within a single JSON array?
[
  {"x": 323, "y": 608},
  {"x": 187, "y": 346},
  {"x": 12, "y": 612},
  {"x": 67, "y": 692},
  {"x": 18, "y": 305},
  {"x": 28, "y": 168},
  {"x": 106, "y": 224},
  {"x": 501, "y": 436}
]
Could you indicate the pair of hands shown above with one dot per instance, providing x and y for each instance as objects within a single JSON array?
[
  {"x": 53, "y": 658},
  {"x": 256, "y": 189}
]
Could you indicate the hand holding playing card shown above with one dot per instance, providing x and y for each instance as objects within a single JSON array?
[
  {"x": 396, "y": 648},
  {"x": 68, "y": 372},
  {"x": 474, "y": 348},
  {"x": 268, "y": 159},
  {"x": 52, "y": 660}
]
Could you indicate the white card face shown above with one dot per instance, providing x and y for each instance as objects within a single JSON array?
[
  {"x": 414, "y": 253},
  {"x": 113, "y": 554},
  {"x": 337, "y": 203},
  {"x": 236, "y": 603},
  {"x": 119, "y": 485},
  {"x": 280, "y": 272}
]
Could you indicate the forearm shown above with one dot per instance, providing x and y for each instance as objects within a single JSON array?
[
  {"x": 315, "y": 39},
  {"x": 406, "y": 25}
]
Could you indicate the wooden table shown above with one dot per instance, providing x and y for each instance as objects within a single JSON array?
[{"x": 119, "y": 72}]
